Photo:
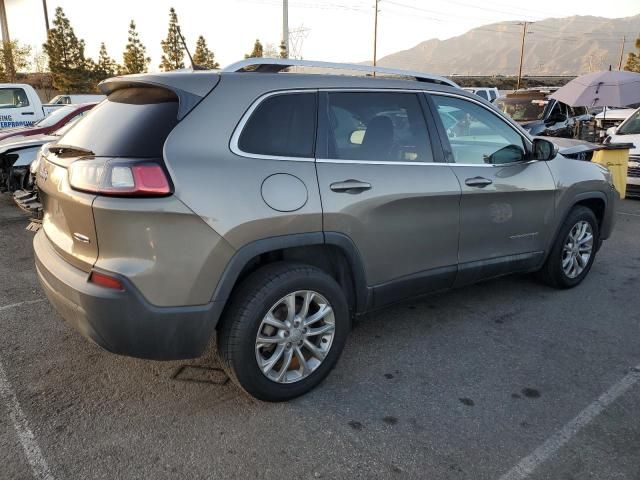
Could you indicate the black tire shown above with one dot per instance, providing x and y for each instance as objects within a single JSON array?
[
  {"x": 552, "y": 272},
  {"x": 241, "y": 320}
]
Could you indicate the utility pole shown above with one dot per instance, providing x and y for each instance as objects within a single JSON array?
[
  {"x": 624, "y": 39},
  {"x": 375, "y": 37},
  {"x": 524, "y": 34},
  {"x": 3, "y": 23},
  {"x": 285, "y": 25},
  {"x": 46, "y": 16},
  {"x": 6, "y": 41}
]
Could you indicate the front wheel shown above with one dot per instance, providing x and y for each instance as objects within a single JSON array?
[
  {"x": 283, "y": 331},
  {"x": 574, "y": 250}
]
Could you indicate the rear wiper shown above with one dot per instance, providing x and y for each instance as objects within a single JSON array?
[{"x": 68, "y": 150}]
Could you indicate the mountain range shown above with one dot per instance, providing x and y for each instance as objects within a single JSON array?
[{"x": 554, "y": 46}]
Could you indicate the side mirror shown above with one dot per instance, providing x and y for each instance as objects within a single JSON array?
[
  {"x": 612, "y": 131},
  {"x": 508, "y": 154},
  {"x": 544, "y": 150}
]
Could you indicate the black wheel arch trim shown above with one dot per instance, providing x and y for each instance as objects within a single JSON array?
[
  {"x": 590, "y": 195},
  {"x": 249, "y": 251}
]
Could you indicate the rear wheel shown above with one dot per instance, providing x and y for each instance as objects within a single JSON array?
[
  {"x": 574, "y": 250},
  {"x": 283, "y": 331}
]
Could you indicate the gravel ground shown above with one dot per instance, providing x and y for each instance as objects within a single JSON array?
[{"x": 461, "y": 385}]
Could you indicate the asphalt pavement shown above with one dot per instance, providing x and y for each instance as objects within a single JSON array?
[{"x": 508, "y": 379}]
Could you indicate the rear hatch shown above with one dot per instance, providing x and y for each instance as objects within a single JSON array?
[{"x": 130, "y": 126}]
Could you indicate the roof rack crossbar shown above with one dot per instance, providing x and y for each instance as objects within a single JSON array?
[{"x": 275, "y": 65}]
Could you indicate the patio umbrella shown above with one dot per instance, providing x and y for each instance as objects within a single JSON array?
[{"x": 601, "y": 89}]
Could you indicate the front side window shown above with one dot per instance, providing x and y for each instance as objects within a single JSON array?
[
  {"x": 13, "y": 98},
  {"x": 283, "y": 125},
  {"x": 476, "y": 135},
  {"x": 377, "y": 126}
]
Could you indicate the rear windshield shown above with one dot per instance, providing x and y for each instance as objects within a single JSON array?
[{"x": 132, "y": 122}]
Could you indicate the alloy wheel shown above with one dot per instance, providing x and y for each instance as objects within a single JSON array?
[
  {"x": 577, "y": 249},
  {"x": 295, "y": 336}
]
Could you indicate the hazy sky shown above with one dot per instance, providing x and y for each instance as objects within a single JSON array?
[{"x": 338, "y": 30}]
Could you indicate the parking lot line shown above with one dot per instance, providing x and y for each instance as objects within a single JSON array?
[
  {"x": 34, "y": 455},
  {"x": 629, "y": 213},
  {"x": 528, "y": 464},
  {"x": 19, "y": 304}
]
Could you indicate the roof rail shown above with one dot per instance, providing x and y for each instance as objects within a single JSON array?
[{"x": 275, "y": 65}]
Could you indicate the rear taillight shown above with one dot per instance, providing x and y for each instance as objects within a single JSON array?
[{"x": 120, "y": 178}]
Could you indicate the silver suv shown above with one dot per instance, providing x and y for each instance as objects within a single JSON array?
[{"x": 272, "y": 208}]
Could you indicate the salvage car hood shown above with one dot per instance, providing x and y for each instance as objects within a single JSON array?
[{"x": 24, "y": 142}]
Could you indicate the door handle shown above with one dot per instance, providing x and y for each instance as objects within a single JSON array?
[
  {"x": 27, "y": 113},
  {"x": 479, "y": 182},
  {"x": 350, "y": 186}
]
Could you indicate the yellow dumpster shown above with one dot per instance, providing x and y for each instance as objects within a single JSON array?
[{"x": 615, "y": 156}]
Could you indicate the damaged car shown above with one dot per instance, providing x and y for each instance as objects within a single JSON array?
[
  {"x": 540, "y": 115},
  {"x": 18, "y": 164}
]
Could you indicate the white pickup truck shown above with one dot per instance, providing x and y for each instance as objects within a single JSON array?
[{"x": 21, "y": 106}]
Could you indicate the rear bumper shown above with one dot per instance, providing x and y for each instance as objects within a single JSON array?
[{"x": 122, "y": 322}]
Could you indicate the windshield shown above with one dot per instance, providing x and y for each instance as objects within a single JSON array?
[
  {"x": 55, "y": 116},
  {"x": 631, "y": 126},
  {"x": 522, "y": 109}
]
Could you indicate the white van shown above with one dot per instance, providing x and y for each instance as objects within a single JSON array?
[{"x": 19, "y": 105}]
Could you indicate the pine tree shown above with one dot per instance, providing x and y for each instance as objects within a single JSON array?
[
  {"x": 257, "y": 50},
  {"x": 633, "y": 59},
  {"x": 284, "y": 53},
  {"x": 269, "y": 51},
  {"x": 134, "y": 56},
  {"x": 173, "y": 56},
  {"x": 106, "y": 66},
  {"x": 204, "y": 57},
  {"x": 67, "y": 62},
  {"x": 13, "y": 57}
]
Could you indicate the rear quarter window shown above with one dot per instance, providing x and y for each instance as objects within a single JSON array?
[
  {"x": 282, "y": 125},
  {"x": 131, "y": 122}
]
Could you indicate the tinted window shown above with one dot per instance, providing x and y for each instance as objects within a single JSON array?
[
  {"x": 13, "y": 98},
  {"x": 282, "y": 125},
  {"x": 483, "y": 94},
  {"x": 377, "y": 126},
  {"x": 476, "y": 135},
  {"x": 132, "y": 122}
]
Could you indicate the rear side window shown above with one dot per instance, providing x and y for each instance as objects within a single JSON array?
[
  {"x": 283, "y": 126},
  {"x": 131, "y": 122},
  {"x": 483, "y": 94},
  {"x": 377, "y": 126},
  {"x": 13, "y": 98}
]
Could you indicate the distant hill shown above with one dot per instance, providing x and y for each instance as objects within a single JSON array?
[{"x": 555, "y": 46}]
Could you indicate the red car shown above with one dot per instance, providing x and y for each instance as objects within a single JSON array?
[{"x": 52, "y": 122}]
